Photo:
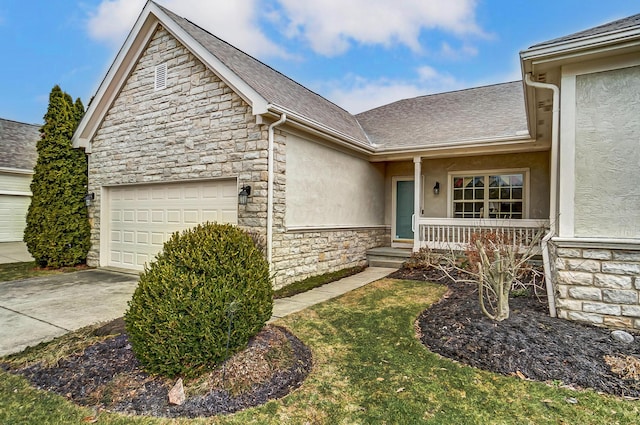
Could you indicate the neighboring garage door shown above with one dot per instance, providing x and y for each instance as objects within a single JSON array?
[
  {"x": 143, "y": 217},
  {"x": 13, "y": 217}
]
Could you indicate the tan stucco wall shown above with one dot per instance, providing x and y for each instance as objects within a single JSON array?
[
  {"x": 607, "y": 154},
  {"x": 326, "y": 187},
  {"x": 437, "y": 170}
]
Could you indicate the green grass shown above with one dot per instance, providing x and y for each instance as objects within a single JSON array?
[
  {"x": 17, "y": 271},
  {"x": 314, "y": 282},
  {"x": 369, "y": 368}
]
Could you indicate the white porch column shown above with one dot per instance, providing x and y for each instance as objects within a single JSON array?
[{"x": 417, "y": 193}]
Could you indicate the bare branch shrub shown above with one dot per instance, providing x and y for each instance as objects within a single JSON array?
[
  {"x": 425, "y": 258},
  {"x": 497, "y": 262}
]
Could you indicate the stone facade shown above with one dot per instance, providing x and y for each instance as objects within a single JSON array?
[
  {"x": 599, "y": 286},
  {"x": 298, "y": 254},
  {"x": 198, "y": 128}
]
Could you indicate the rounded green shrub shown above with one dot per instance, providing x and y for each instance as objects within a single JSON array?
[{"x": 207, "y": 283}]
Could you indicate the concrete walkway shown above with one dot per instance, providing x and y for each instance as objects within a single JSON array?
[
  {"x": 285, "y": 306},
  {"x": 42, "y": 308},
  {"x": 14, "y": 252}
]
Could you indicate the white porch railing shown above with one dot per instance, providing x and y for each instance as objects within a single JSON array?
[{"x": 455, "y": 233}]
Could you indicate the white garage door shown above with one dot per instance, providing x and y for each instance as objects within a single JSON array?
[
  {"x": 143, "y": 217},
  {"x": 13, "y": 217}
]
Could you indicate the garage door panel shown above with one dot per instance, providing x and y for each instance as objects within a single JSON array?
[
  {"x": 227, "y": 216},
  {"x": 144, "y": 217},
  {"x": 127, "y": 258},
  {"x": 191, "y": 217},
  {"x": 173, "y": 217},
  {"x": 128, "y": 216},
  {"x": 142, "y": 238},
  {"x": 210, "y": 193},
  {"x": 13, "y": 217},
  {"x": 142, "y": 259},
  {"x": 116, "y": 257},
  {"x": 210, "y": 215},
  {"x": 157, "y": 216},
  {"x": 174, "y": 193}
]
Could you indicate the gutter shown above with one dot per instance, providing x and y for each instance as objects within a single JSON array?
[
  {"x": 553, "y": 224},
  {"x": 270, "y": 179},
  {"x": 312, "y": 125}
]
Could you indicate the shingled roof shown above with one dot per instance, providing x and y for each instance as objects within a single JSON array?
[
  {"x": 273, "y": 86},
  {"x": 618, "y": 25},
  {"x": 478, "y": 115},
  {"x": 18, "y": 144},
  {"x": 482, "y": 113}
]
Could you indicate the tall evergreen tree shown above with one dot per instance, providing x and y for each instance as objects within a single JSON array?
[{"x": 58, "y": 231}]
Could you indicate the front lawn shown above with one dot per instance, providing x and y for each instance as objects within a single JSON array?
[
  {"x": 369, "y": 368},
  {"x": 26, "y": 270}
]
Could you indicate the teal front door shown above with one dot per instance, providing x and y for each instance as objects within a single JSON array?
[{"x": 404, "y": 209}]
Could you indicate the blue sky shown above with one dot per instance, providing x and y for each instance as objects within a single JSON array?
[{"x": 358, "y": 53}]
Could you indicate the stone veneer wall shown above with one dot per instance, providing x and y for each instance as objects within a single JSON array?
[
  {"x": 198, "y": 128},
  {"x": 310, "y": 253},
  {"x": 599, "y": 286}
]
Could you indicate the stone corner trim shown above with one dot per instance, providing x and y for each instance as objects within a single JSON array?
[{"x": 600, "y": 286}]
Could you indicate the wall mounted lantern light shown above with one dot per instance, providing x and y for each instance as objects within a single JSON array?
[
  {"x": 436, "y": 188},
  {"x": 245, "y": 191},
  {"x": 88, "y": 198}
]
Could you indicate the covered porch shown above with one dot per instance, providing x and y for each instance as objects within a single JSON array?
[{"x": 444, "y": 201}]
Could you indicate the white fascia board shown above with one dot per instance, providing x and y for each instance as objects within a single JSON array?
[
  {"x": 8, "y": 170},
  {"x": 116, "y": 76},
  {"x": 473, "y": 143},
  {"x": 15, "y": 193},
  {"x": 581, "y": 44},
  {"x": 133, "y": 47}
]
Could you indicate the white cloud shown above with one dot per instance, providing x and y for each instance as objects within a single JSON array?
[
  {"x": 113, "y": 20},
  {"x": 449, "y": 52},
  {"x": 357, "y": 94},
  {"x": 234, "y": 21},
  {"x": 331, "y": 26}
]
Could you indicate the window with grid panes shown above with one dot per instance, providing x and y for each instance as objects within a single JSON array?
[{"x": 489, "y": 196}]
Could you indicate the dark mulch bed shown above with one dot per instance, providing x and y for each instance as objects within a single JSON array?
[
  {"x": 528, "y": 344},
  {"x": 107, "y": 375}
]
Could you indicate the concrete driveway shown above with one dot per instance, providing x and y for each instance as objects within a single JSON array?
[
  {"x": 42, "y": 308},
  {"x": 14, "y": 252}
]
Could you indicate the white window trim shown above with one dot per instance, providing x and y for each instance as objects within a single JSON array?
[{"x": 466, "y": 173}]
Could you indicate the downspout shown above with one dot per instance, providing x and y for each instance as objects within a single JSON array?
[
  {"x": 553, "y": 219},
  {"x": 270, "y": 179}
]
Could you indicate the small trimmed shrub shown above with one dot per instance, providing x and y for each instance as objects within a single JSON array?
[{"x": 207, "y": 281}]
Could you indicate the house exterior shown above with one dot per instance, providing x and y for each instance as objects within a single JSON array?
[
  {"x": 595, "y": 217},
  {"x": 18, "y": 146},
  {"x": 183, "y": 122}
]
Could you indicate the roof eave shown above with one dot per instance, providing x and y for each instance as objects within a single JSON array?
[
  {"x": 582, "y": 45},
  {"x": 316, "y": 127},
  {"x": 496, "y": 145},
  {"x": 133, "y": 47}
]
